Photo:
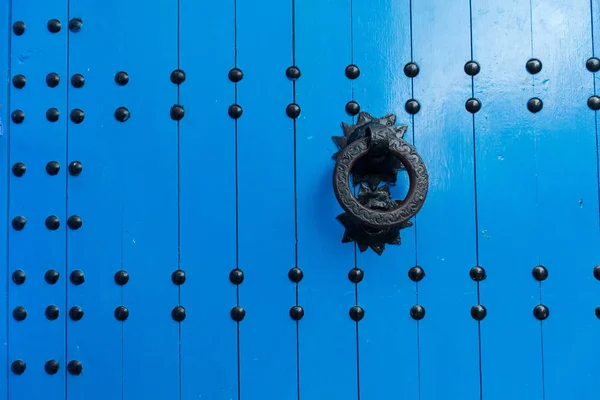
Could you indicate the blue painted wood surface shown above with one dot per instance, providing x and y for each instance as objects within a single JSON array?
[{"x": 208, "y": 194}]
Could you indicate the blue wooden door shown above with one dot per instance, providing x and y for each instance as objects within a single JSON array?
[{"x": 169, "y": 224}]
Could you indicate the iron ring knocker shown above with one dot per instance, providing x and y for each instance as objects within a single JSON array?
[{"x": 371, "y": 152}]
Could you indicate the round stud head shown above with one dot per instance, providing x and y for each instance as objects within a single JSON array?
[
  {"x": 296, "y": 313},
  {"x": 51, "y": 367},
  {"x": 416, "y": 273},
  {"x": 357, "y": 313},
  {"x": 237, "y": 313},
  {"x": 18, "y": 223},
  {"x": 51, "y": 312},
  {"x": 52, "y": 168},
  {"x": 77, "y": 277},
  {"x": 352, "y": 108},
  {"x": 478, "y": 312},
  {"x": 295, "y": 275},
  {"x": 77, "y": 81},
  {"x": 417, "y": 312},
  {"x": 19, "y": 169},
  {"x": 177, "y": 112},
  {"x": 356, "y": 275},
  {"x": 540, "y": 273},
  {"x": 236, "y": 276},
  {"x": 75, "y": 24},
  {"x": 77, "y": 116},
  {"x": 178, "y": 314},
  {"x": 593, "y": 64},
  {"x": 533, "y": 66},
  {"x": 122, "y": 78},
  {"x": 594, "y": 103},
  {"x": 19, "y": 81},
  {"x": 74, "y": 222},
  {"x": 535, "y": 105},
  {"x": 76, "y": 313},
  {"x": 122, "y": 114},
  {"x": 293, "y": 73},
  {"x": 352, "y": 71},
  {"x": 292, "y": 110},
  {"x": 19, "y": 277},
  {"x": 597, "y": 272},
  {"x": 177, "y": 77},
  {"x": 17, "y": 116},
  {"x": 472, "y": 68},
  {"x": 178, "y": 277},
  {"x": 477, "y": 273},
  {"x": 412, "y": 106},
  {"x": 235, "y": 111},
  {"x": 75, "y": 168},
  {"x": 52, "y": 80},
  {"x": 19, "y": 28},
  {"x": 541, "y": 312},
  {"x": 53, "y": 26},
  {"x": 18, "y": 367},
  {"x": 411, "y": 70},
  {"x": 51, "y": 276},
  {"x": 52, "y": 114},
  {"x": 235, "y": 75},
  {"x": 19, "y": 313},
  {"x": 121, "y": 277},
  {"x": 74, "y": 367},
  {"x": 597, "y": 312},
  {"x": 121, "y": 313},
  {"x": 473, "y": 105}
]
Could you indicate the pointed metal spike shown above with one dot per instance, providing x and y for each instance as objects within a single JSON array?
[
  {"x": 340, "y": 141},
  {"x": 405, "y": 224},
  {"x": 363, "y": 118},
  {"x": 378, "y": 248},
  {"x": 362, "y": 247},
  {"x": 348, "y": 129},
  {"x": 384, "y": 189},
  {"x": 389, "y": 119},
  {"x": 347, "y": 238},
  {"x": 395, "y": 240},
  {"x": 400, "y": 130}
]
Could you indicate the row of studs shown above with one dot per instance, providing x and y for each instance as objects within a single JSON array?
[
  {"x": 54, "y": 26},
  {"x": 51, "y": 367}
]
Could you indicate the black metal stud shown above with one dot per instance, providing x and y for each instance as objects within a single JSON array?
[
  {"x": 352, "y": 108},
  {"x": 178, "y": 277},
  {"x": 473, "y": 105},
  {"x": 478, "y": 312},
  {"x": 19, "y": 277},
  {"x": 235, "y": 75},
  {"x": 237, "y": 313},
  {"x": 235, "y": 111},
  {"x": 52, "y": 80},
  {"x": 76, "y": 313},
  {"x": 51, "y": 276},
  {"x": 416, "y": 273},
  {"x": 52, "y": 168},
  {"x": 177, "y": 112},
  {"x": 19, "y": 313},
  {"x": 295, "y": 274},
  {"x": 236, "y": 276},
  {"x": 74, "y": 222},
  {"x": 18, "y": 223},
  {"x": 19, "y": 28},
  {"x": 412, "y": 106},
  {"x": 357, "y": 313},
  {"x": 75, "y": 168},
  {"x": 535, "y": 105},
  {"x": 352, "y": 71},
  {"x": 121, "y": 313},
  {"x": 51, "y": 367},
  {"x": 594, "y": 103},
  {"x": 541, "y": 312},
  {"x": 19, "y": 81},
  {"x": 54, "y": 26},
  {"x": 75, "y": 24},
  {"x": 540, "y": 273},
  {"x": 472, "y": 68},
  {"x": 593, "y": 64},
  {"x": 74, "y": 367},
  {"x": 17, "y": 116},
  {"x": 18, "y": 367},
  {"x": 77, "y": 116},
  {"x": 121, "y": 277},
  {"x": 122, "y": 78},
  {"x": 597, "y": 272},
  {"x": 533, "y": 66},
  {"x": 296, "y": 313},
  {"x": 178, "y": 314},
  {"x": 417, "y": 312},
  {"x": 19, "y": 169},
  {"x": 477, "y": 273},
  {"x": 177, "y": 77},
  {"x": 52, "y": 114},
  {"x": 293, "y": 73},
  {"x": 292, "y": 110},
  {"x": 411, "y": 70},
  {"x": 77, "y": 277},
  {"x": 356, "y": 275},
  {"x": 52, "y": 222},
  {"x": 77, "y": 81},
  {"x": 597, "y": 312},
  {"x": 122, "y": 114},
  {"x": 52, "y": 313}
]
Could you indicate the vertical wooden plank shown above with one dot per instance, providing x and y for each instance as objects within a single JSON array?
[
  {"x": 328, "y": 347},
  {"x": 565, "y": 134},
  {"x": 387, "y": 369},
  {"x": 5, "y": 40},
  {"x": 446, "y": 226},
  {"x": 208, "y": 222},
  {"x": 36, "y": 326},
  {"x": 94, "y": 251},
  {"x": 266, "y": 200},
  {"x": 511, "y": 355}
]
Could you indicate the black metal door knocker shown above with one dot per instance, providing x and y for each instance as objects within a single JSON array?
[{"x": 372, "y": 152}]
